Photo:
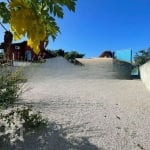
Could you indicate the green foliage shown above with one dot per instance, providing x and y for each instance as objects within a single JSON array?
[
  {"x": 4, "y": 12},
  {"x": 60, "y": 52},
  {"x": 72, "y": 55},
  {"x": 68, "y": 55},
  {"x": 19, "y": 119},
  {"x": 31, "y": 119},
  {"x": 45, "y": 10},
  {"x": 55, "y": 53},
  {"x": 142, "y": 57},
  {"x": 9, "y": 87},
  {"x": 56, "y": 7},
  {"x": 14, "y": 118}
]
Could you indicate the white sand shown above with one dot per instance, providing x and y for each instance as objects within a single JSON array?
[{"x": 106, "y": 114}]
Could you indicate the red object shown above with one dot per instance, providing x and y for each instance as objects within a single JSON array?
[{"x": 18, "y": 50}]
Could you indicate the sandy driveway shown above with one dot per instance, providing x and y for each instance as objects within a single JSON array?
[{"x": 87, "y": 113}]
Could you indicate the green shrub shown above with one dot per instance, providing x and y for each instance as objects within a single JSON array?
[
  {"x": 142, "y": 57},
  {"x": 15, "y": 117},
  {"x": 71, "y": 56},
  {"x": 31, "y": 119},
  {"x": 19, "y": 119},
  {"x": 9, "y": 87}
]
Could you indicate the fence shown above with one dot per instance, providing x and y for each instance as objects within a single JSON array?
[{"x": 125, "y": 55}]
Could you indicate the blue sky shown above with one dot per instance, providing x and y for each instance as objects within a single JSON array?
[{"x": 99, "y": 25}]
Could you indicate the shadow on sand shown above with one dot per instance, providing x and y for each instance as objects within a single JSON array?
[{"x": 51, "y": 138}]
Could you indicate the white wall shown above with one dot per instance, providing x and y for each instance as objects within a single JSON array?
[
  {"x": 145, "y": 74},
  {"x": 1, "y": 51},
  {"x": 106, "y": 68}
]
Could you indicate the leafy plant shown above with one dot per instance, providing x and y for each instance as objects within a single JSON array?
[
  {"x": 72, "y": 55},
  {"x": 142, "y": 57},
  {"x": 34, "y": 18},
  {"x": 14, "y": 117},
  {"x": 9, "y": 87},
  {"x": 31, "y": 119}
]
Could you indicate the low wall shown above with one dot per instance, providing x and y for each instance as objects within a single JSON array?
[
  {"x": 106, "y": 68},
  {"x": 21, "y": 63},
  {"x": 145, "y": 74},
  {"x": 122, "y": 68}
]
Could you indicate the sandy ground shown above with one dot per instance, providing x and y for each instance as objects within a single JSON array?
[{"x": 87, "y": 111}]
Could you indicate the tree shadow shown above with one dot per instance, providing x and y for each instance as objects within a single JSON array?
[{"x": 51, "y": 138}]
